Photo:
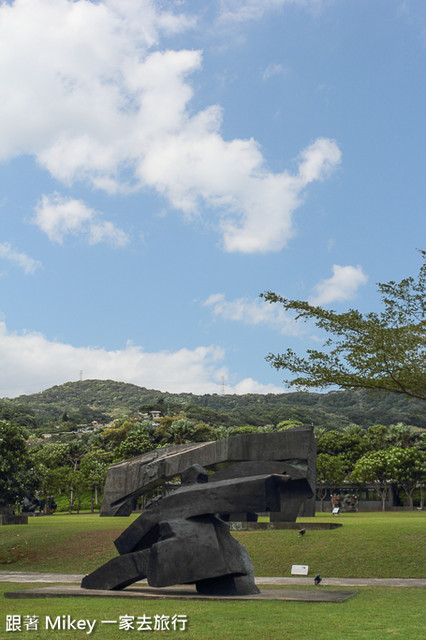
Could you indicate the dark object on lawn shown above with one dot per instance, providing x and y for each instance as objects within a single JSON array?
[
  {"x": 291, "y": 452},
  {"x": 302, "y": 532},
  {"x": 48, "y": 505},
  {"x": 317, "y": 580},
  {"x": 29, "y": 505},
  {"x": 179, "y": 539}
]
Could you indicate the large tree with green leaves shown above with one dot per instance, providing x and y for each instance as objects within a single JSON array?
[
  {"x": 94, "y": 466},
  {"x": 377, "y": 351},
  {"x": 374, "y": 468},
  {"x": 408, "y": 469},
  {"x": 14, "y": 462},
  {"x": 348, "y": 445}
]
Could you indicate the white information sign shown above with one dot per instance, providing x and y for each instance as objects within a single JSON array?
[{"x": 299, "y": 569}]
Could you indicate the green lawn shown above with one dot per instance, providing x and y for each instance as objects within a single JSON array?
[
  {"x": 60, "y": 543},
  {"x": 379, "y": 545},
  {"x": 375, "y": 613},
  {"x": 367, "y": 545}
]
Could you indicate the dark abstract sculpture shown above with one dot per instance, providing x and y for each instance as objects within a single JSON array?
[
  {"x": 29, "y": 505},
  {"x": 291, "y": 452},
  {"x": 179, "y": 539},
  {"x": 44, "y": 505}
]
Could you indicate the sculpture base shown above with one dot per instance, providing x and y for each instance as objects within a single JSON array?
[
  {"x": 6, "y": 518},
  {"x": 181, "y": 592},
  {"x": 227, "y": 586}
]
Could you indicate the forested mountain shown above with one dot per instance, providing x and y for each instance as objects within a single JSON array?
[{"x": 102, "y": 400}]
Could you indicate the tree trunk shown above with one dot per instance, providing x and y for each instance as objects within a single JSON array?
[
  {"x": 410, "y": 497},
  {"x": 322, "y": 494},
  {"x": 71, "y": 500},
  {"x": 384, "y": 495},
  {"x": 92, "y": 508}
]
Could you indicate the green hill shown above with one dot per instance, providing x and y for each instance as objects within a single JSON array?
[{"x": 101, "y": 400}]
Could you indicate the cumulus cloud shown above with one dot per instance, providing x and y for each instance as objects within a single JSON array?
[
  {"x": 58, "y": 216},
  {"x": 342, "y": 285},
  {"x": 248, "y": 385},
  {"x": 22, "y": 260},
  {"x": 32, "y": 363},
  {"x": 264, "y": 204},
  {"x": 252, "y": 312},
  {"x": 88, "y": 91}
]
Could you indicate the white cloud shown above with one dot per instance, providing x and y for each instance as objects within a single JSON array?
[
  {"x": 58, "y": 217},
  {"x": 253, "y": 312},
  {"x": 248, "y": 385},
  {"x": 274, "y": 69},
  {"x": 32, "y": 363},
  {"x": 264, "y": 203},
  {"x": 88, "y": 92},
  {"x": 28, "y": 264},
  {"x": 343, "y": 285}
]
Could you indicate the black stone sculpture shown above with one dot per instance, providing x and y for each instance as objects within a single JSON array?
[
  {"x": 179, "y": 539},
  {"x": 29, "y": 505},
  {"x": 291, "y": 452},
  {"x": 44, "y": 505}
]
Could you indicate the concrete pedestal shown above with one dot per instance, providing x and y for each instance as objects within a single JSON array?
[{"x": 6, "y": 518}]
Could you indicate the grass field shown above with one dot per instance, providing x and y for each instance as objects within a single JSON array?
[
  {"x": 375, "y": 613},
  {"x": 367, "y": 545},
  {"x": 376, "y": 545}
]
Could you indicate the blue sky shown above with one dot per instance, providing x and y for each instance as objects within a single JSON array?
[{"x": 162, "y": 163}]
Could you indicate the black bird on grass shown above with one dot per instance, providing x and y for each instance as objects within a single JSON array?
[
  {"x": 317, "y": 580},
  {"x": 302, "y": 532}
]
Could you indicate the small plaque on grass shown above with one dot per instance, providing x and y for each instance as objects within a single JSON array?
[{"x": 299, "y": 569}]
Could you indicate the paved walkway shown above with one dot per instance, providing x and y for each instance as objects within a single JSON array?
[{"x": 24, "y": 576}]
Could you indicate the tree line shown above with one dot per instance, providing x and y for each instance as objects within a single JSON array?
[
  {"x": 75, "y": 465},
  {"x": 379, "y": 456}
]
